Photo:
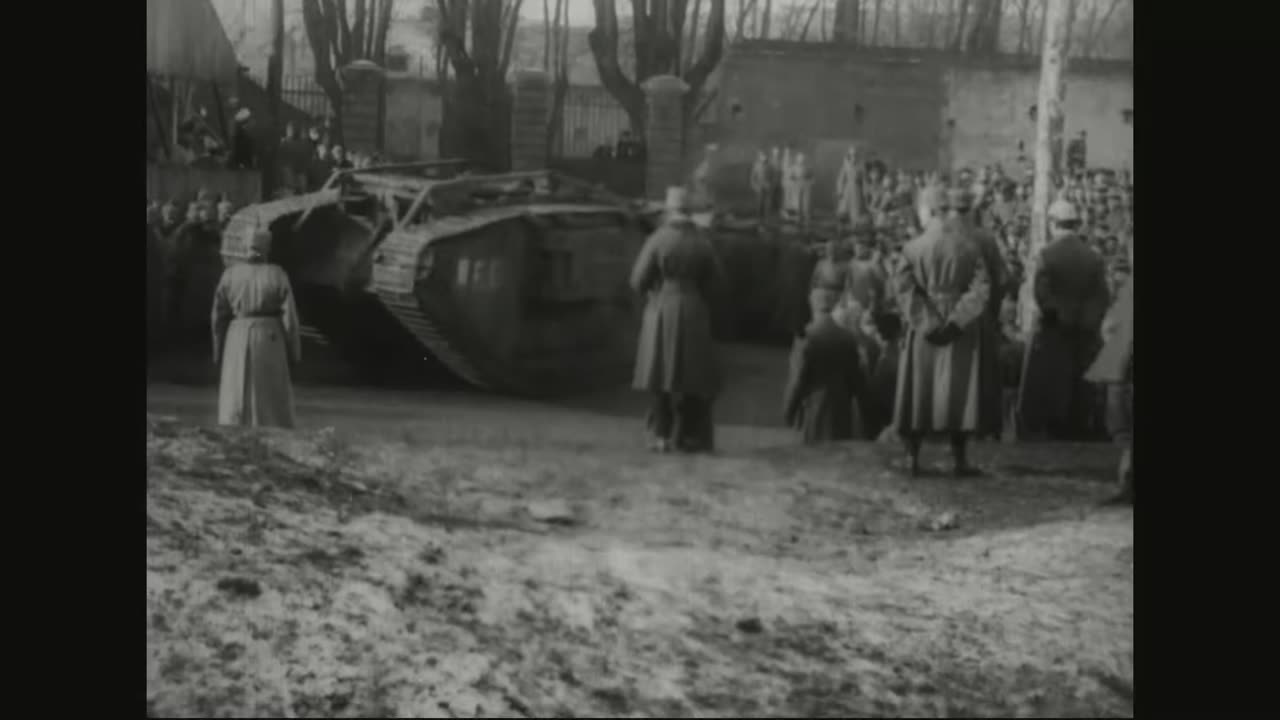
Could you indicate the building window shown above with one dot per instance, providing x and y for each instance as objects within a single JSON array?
[{"x": 1127, "y": 115}]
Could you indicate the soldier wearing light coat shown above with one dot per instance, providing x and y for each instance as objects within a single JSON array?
[
  {"x": 255, "y": 337},
  {"x": 850, "y": 200},
  {"x": 942, "y": 287}
]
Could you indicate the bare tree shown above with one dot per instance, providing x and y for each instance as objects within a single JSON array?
[
  {"x": 657, "y": 27},
  {"x": 813, "y": 10},
  {"x": 875, "y": 23},
  {"x": 1094, "y": 34},
  {"x": 480, "y": 68},
  {"x": 336, "y": 41},
  {"x": 1024, "y": 28},
  {"x": 556, "y": 64},
  {"x": 960, "y": 19},
  {"x": 691, "y": 46},
  {"x": 984, "y": 33},
  {"x": 848, "y": 14},
  {"x": 767, "y": 24},
  {"x": 1049, "y": 126}
]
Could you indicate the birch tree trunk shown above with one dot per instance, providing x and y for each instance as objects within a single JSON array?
[{"x": 1049, "y": 124}]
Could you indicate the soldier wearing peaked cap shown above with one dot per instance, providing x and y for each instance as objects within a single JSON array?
[
  {"x": 1072, "y": 297},
  {"x": 943, "y": 287}
]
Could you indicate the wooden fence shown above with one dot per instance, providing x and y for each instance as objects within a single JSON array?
[{"x": 166, "y": 182}]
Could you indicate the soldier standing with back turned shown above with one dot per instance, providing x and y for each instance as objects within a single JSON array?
[
  {"x": 1072, "y": 297},
  {"x": 942, "y": 287}
]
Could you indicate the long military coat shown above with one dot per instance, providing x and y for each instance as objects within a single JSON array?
[
  {"x": 678, "y": 271},
  {"x": 940, "y": 388},
  {"x": 1071, "y": 284},
  {"x": 255, "y": 335},
  {"x": 826, "y": 379}
]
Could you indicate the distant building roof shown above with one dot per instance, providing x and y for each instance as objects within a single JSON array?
[{"x": 186, "y": 39}]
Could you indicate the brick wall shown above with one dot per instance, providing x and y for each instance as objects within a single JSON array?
[{"x": 897, "y": 104}]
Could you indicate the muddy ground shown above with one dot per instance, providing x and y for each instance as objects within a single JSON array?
[{"x": 450, "y": 562}]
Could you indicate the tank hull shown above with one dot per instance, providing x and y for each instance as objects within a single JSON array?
[{"x": 526, "y": 300}]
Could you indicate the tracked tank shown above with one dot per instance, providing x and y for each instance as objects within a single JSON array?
[{"x": 512, "y": 282}]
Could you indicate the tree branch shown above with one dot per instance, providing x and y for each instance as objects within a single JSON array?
[
  {"x": 512, "y": 21},
  {"x": 711, "y": 52},
  {"x": 453, "y": 30}
]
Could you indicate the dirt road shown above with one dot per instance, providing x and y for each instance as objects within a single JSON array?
[{"x": 448, "y": 556}]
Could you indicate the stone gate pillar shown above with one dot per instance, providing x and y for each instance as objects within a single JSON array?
[
  {"x": 362, "y": 103},
  {"x": 530, "y": 111},
  {"x": 664, "y": 134}
]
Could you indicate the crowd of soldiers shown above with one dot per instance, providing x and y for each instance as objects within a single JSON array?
[
  {"x": 184, "y": 261},
  {"x": 914, "y": 314}
]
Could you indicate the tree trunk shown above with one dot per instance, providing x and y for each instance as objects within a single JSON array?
[
  {"x": 1023, "y": 28},
  {"x": 767, "y": 25},
  {"x": 875, "y": 24},
  {"x": 984, "y": 33},
  {"x": 848, "y": 12},
  {"x": 1049, "y": 126},
  {"x": 897, "y": 22},
  {"x": 1095, "y": 34},
  {"x": 275, "y": 86},
  {"x": 962, "y": 19},
  {"x": 1072, "y": 6},
  {"x": 804, "y": 34},
  {"x": 692, "y": 43}
]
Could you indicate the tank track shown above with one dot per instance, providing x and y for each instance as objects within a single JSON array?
[
  {"x": 406, "y": 311},
  {"x": 393, "y": 282}
]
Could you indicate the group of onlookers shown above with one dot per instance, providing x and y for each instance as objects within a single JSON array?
[{"x": 184, "y": 238}]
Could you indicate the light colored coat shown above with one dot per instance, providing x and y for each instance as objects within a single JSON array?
[
  {"x": 255, "y": 336},
  {"x": 940, "y": 388}
]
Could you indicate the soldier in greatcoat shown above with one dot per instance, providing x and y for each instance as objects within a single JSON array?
[
  {"x": 678, "y": 273},
  {"x": 826, "y": 376},
  {"x": 1072, "y": 298},
  {"x": 850, "y": 200},
  {"x": 255, "y": 338},
  {"x": 1114, "y": 368},
  {"x": 942, "y": 287}
]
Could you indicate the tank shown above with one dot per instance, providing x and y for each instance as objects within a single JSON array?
[{"x": 514, "y": 282}]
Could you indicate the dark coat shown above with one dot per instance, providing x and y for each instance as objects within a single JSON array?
[
  {"x": 1071, "y": 292},
  {"x": 992, "y": 398},
  {"x": 678, "y": 271},
  {"x": 939, "y": 388},
  {"x": 1071, "y": 282},
  {"x": 826, "y": 378}
]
